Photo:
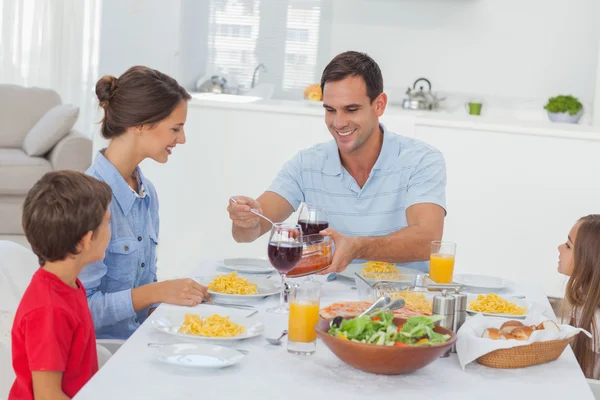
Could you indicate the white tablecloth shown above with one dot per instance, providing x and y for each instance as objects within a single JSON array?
[{"x": 270, "y": 372}]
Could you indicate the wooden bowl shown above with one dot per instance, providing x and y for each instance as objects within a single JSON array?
[{"x": 384, "y": 360}]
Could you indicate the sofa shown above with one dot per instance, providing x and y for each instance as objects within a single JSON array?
[{"x": 36, "y": 136}]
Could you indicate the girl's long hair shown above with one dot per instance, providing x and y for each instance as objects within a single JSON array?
[{"x": 583, "y": 291}]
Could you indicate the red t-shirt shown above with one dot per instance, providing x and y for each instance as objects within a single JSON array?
[{"x": 53, "y": 331}]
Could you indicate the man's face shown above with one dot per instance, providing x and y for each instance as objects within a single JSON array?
[{"x": 350, "y": 115}]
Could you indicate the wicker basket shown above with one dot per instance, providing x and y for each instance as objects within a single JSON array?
[{"x": 525, "y": 356}]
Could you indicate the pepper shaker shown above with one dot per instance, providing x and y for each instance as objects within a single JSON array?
[
  {"x": 460, "y": 313},
  {"x": 444, "y": 306}
]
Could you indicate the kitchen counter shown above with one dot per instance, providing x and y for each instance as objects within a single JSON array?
[{"x": 421, "y": 118}]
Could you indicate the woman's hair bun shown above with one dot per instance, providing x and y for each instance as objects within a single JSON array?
[{"x": 105, "y": 89}]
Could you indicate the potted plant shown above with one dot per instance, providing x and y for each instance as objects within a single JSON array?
[{"x": 567, "y": 109}]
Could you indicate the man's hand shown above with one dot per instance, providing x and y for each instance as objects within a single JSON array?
[
  {"x": 240, "y": 212},
  {"x": 346, "y": 248}
]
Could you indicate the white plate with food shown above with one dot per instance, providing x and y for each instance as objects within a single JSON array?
[
  {"x": 247, "y": 265},
  {"x": 208, "y": 326},
  {"x": 482, "y": 283},
  {"x": 492, "y": 305},
  {"x": 198, "y": 355},
  {"x": 233, "y": 287}
]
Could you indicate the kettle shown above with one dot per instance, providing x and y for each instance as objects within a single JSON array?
[
  {"x": 420, "y": 100},
  {"x": 215, "y": 84}
]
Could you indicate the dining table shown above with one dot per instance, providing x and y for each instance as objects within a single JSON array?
[{"x": 270, "y": 372}]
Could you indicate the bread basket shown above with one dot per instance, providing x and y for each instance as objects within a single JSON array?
[{"x": 525, "y": 356}]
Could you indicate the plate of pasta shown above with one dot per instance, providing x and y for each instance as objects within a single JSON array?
[
  {"x": 207, "y": 326},
  {"x": 235, "y": 287},
  {"x": 496, "y": 306}
]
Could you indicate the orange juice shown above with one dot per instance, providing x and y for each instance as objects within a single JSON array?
[
  {"x": 441, "y": 267},
  {"x": 303, "y": 319}
]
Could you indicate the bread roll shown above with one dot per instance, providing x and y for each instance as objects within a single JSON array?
[
  {"x": 510, "y": 326},
  {"x": 522, "y": 333},
  {"x": 491, "y": 333},
  {"x": 549, "y": 325},
  {"x": 506, "y": 336}
]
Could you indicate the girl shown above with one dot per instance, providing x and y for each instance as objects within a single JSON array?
[
  {"x": 144, "y": 114},
  {"x": 580, "y": 260}
]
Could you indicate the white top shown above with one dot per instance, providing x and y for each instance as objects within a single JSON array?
[{"x": 270, "y": 372}]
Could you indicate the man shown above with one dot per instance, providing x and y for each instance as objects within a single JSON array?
[{"x": 385, "y": 194}]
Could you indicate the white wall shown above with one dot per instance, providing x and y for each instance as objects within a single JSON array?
[
  {"x": 140, "y": 32},
  {"x": 515, "y": 48},
  {"x": 510, "y": 48}
]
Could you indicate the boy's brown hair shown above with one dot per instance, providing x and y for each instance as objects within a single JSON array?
[{"x": 60, "y": 209}]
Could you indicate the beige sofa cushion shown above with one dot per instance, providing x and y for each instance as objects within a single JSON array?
[
  {"x": 18, "y": 171},
  {"x": 50, "y": 129},
  {"x": 20, "y": 109}
]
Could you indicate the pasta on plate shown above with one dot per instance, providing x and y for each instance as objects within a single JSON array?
[
  {"x": 494, "y": 304},
  {"x": 232, "y": 284},
  {"x": 212, "y": 326}
]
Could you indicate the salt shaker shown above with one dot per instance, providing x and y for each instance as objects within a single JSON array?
[
  {"x": 460, "y": 313},
  {"x": 444, "y": 306}
]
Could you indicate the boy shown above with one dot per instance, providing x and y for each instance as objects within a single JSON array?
[{"x": 66, "y": 220}]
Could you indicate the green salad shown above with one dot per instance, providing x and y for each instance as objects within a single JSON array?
[{"x": 380, "y": 329}]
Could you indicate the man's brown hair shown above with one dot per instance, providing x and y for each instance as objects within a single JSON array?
[
  {"x": 353, "y": 63},
  {"x": 60, "y": 209}
]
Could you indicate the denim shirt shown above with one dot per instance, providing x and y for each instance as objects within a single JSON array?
[{"x": 130, "y": 259}]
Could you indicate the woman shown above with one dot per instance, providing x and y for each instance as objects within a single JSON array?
[{"x": 144, "y": 115}]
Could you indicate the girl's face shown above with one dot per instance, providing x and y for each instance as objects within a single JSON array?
[
  {"x": 166, "y": 134},
  {"x": 565, "y": 253}
]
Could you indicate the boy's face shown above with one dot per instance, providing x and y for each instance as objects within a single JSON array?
[{"x": 100, "y": 239}]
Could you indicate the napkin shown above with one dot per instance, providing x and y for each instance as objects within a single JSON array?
[{"x": 470, "y": 345}]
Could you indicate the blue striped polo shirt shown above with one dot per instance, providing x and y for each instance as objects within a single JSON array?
[{"x": 406, "y": 172}]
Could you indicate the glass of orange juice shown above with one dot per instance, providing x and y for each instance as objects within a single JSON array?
[
  {"x": 304, "y": 302},
  {"x": 441, "y": 261}
]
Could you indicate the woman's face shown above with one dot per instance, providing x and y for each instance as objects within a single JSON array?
[
  {"x": 165, "y": 135},
  {"x": 565, "y": 253}
]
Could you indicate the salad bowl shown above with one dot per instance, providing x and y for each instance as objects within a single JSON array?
[{"x": 386, "y": 359}]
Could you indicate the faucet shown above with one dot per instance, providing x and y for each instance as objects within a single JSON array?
[{"x": 258, "y": 67}]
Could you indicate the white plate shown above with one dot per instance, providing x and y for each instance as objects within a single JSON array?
[
  {"x": 198, "y": 355},
  {"x": 482, "y": 282},
  {"x": 248, "y": 265},
  {"x": 171, "y": 322},
  {"x": 266, "y": 287},
  {"x": 531, "y": 307}
]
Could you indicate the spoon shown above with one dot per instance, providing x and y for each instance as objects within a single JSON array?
[
  {"x": 394, "y": 305},
  {"x": 383, "y": 301},
  {"x": 253, "y": 211},
  {"x": 336, "y": 322},
  {"x": 277, "y": 342}
]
